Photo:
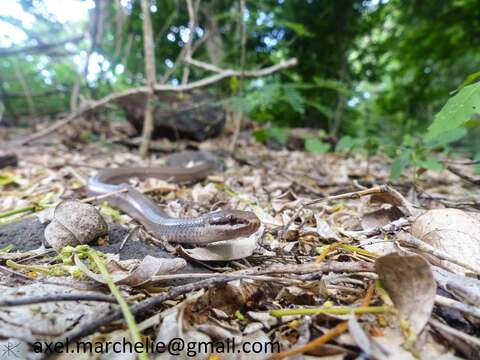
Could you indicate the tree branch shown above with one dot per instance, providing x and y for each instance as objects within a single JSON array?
[
  {"x": 226, "y": 73},
  {"x": 149, "y": 49},
  {"x": 39, "y": 48}
]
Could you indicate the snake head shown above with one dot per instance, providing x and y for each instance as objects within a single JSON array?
[{"x": 231, "y": 224}]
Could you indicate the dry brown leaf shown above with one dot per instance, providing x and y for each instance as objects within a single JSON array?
[
  {"x": 452, "y": 231},
  {"x": 204, "y": 194},
  {"x": 134, "y": 272},
  {"x": 324, "y": 230},
  {"x": 411, "y": 286},
  {"x": 380, "y": 217},
  {"x": 74, "y": 223}
]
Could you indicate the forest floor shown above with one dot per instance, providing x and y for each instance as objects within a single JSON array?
[{"x": 328, "y": 223}]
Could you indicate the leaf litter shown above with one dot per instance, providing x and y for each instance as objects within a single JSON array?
[{"x": 343, "y": 265}]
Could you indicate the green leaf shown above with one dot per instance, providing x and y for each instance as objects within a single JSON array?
[
  {"x": 239, "y": 315},
  {"x": 6, "y": 180},
  {"x": 431, "y": 164},
  {"x": 324, "y": 110},
  {"x": 469, "y": 80},
  {"x": 458, "y": 110},
  {"x": 446, "y": 138},
  {"x": 346, "y": 143},
  {"x": 234, "y": 83},
  {"x": 399, "y": 165},
  {"x": 267, "y": 133},
  {"x": 408, "y": 140},
  {"x": 297, "y": 28},
  {"x": 316, "y": 146},
  {"x": 294, "y": 98}
]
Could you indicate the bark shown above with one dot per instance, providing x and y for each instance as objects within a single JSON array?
[{"x": 150, "y": 74}]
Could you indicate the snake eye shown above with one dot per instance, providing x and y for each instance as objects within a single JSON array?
[{"x": 229, "y": 219}]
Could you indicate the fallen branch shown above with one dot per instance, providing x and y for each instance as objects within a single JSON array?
[
  {"x": 463, "y": 176},
  {"x": 90, "y": 106}
]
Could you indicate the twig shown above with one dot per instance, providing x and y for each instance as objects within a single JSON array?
[
  {"x": 99, "y": 197},
  {"x": 312, "y": 269},
  {"x": 28, "y": 300},
  {"x": 331, "y": 334},
  {"x": 411, "y": 240},
  {"x": 449, "y": 330},
  {"x": 7, "y": 270},
  {"x": 234, "y": 275},
  {"x": 332, "y": 310},
  {"x": 454, "y": 304},
  {"x": 128, "y": 236},
  {"x": 188, "y": 45},
  {"x": 142, "y": 307},
  {"x": 463, "y": 176}
]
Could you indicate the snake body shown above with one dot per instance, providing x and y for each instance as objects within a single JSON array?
[{"x": 204, "y": 229}]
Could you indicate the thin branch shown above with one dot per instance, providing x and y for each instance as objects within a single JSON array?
[
  {"x": 149, "y": 49},
  {"x": 463, "y": 176},
  {"x": 227, "y": 73},
  {"x": 28, "y": 300},
  {"x": 243, "y": 43},
  {"x": 188, "y": 45},
  {"x": 25, "y": 88},
  {"x": 204, "y": 65},
  {"x": 142, "y": 307},
  {"x": 39, "y": 48}
]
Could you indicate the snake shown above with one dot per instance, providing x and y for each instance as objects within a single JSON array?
[{"x": 201, "y": 230}]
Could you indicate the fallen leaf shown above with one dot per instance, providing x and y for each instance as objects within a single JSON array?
[
  {"x": 452, "y": 231},
  {"x": 137, "y": 272},
  {"x": 411, "y": 286},
  {"x": 380, "y": 217},
  {"x": 74, "y": 223}
]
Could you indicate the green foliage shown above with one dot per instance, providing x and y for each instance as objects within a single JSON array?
[
  {"x": 369, "y": 74},
  {"x": 413, "y": 153},
  {"x": 458, "y": 110},
  {"x": 267, "y": 133},
  {"x": 316, "y": 146}
]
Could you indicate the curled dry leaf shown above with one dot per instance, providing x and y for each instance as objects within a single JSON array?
[
  {"x": 204, "y": 194},
  {"x": 227, "y": 250},
  {"x": 410, "y": 283},
  {"x": 74, "y": 223},
  {"x": 452, "y": 231},
  {"x": 324, "y": 230},
  {"x": 380, "y": 217},
  {"x": 135, "y": 272}
]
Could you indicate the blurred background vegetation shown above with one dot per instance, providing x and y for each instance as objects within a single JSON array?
[{"x": 371, "y": 74}]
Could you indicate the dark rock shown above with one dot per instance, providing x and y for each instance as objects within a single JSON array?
[{"x": 178, "y": 116}]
